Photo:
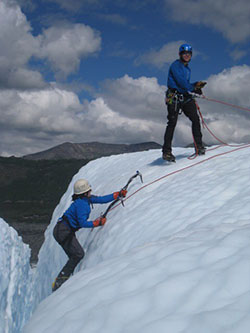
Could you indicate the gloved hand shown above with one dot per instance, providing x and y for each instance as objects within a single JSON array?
[
  {"x": 198, "y": 91},
  {"x": 200, "y": 84},
  {"x": 121, "y": 194},
  {"x": 99, "y": 221}
]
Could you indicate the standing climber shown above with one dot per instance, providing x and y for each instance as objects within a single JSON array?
[
  {"x": 76, "y": 217},
  {"x": 178, "y": 98}
]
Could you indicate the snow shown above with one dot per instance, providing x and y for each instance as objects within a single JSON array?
[
  {"x": 175, "y": 259},
  {"x": 15, "y": 280}
]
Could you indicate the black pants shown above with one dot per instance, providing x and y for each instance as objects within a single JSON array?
[
  {"x": 68, "y": 241},
  {"x": 190, "y": 110}
]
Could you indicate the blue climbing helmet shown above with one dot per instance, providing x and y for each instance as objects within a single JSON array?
[{"x": 185, "y": 48}]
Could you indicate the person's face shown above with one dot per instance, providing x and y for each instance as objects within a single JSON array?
[
  {"x": 89, "y": 194},
  {"x": 186, "y": 56}
]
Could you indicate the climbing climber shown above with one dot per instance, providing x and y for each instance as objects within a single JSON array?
[
  {"x": 74, "y": 218},
  {"x": 178, "y": 98}
]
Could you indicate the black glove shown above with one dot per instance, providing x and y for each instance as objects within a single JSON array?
[
  {"x": 198, "y": 91},
  {"x": 200, "y": 84}
]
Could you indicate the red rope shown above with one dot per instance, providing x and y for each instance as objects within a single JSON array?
[
  {"x": 212, "y": 134},
  {"x": 180, "y": 170},
  {"x": 205, "y": 126},
  {"x": 238, "y": 147},
  {"x": 225, "y": 103}
]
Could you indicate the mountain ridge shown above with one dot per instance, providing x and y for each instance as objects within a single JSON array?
[{"x": 89, "y": 150}]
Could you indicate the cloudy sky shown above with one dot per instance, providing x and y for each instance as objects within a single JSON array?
[{"x": 95, "y": 70}]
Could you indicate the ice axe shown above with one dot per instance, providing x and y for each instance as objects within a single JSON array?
[{"x": 120, "y": 197}]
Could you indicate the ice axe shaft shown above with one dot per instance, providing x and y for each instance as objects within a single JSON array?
[{"x": 119, "y": 197}]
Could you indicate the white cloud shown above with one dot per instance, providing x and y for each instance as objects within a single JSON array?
[
  {"x": 231, "y": 86},
  {"x": 140, "y": 98},
  {"x": 17, "y": 47},
  {"x": 65, "y": 46},
  {"x": 31, "y": 120},
  {"x": 23, "y": 78},
  {"x": 127, "y": 110},
  {"x": 230, "y": 17},
  {"x": 237, "y": 54},
  {"x": 108, "y": 125},
  {"x": 48, "y": 111},
  {"x": 158, "y": 58}
]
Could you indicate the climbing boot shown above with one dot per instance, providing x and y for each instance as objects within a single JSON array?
[
  {"x": 58, "y": 282},
  {"x": 168, "y": 156},
  {"x": 201, "y": 150}
]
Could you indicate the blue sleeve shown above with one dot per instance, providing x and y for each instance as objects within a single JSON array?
[
  {"x": 82, "y": 219},
  {"x": 101, "y": 200},
  {"x": 82, "y": 215},
  {"x": 83, "y": 210},
  {"x": 180, "y": 78}
]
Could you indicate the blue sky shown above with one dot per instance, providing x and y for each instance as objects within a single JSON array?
[
  {"x": 93, "y": 70},
  {"x": 129, "y": 32}
]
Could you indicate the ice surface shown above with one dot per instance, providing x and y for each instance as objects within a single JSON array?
[
  {"x": 175, "y": 259},
  {"x": 15, "y": 280}
]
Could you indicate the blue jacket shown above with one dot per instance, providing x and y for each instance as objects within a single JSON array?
[
  {"x": 179, "y": 77},
  {"x": 78, "y": 213}
]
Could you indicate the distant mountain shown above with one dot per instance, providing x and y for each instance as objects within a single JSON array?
[{"x": 89, "y": 150}]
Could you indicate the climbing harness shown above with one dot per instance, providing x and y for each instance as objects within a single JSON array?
[{"x": 174, "y": 97}]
